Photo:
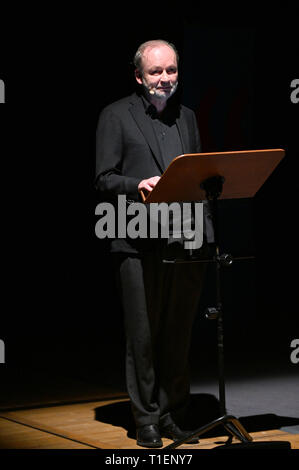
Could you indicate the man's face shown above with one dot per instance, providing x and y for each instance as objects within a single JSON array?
[{"x": 160, "y": 71}]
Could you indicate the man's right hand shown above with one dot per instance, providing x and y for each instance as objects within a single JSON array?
[{"x": 149, "y": 184}]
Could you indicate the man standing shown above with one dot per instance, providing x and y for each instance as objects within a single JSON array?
[{"x": 137, "y": 138}]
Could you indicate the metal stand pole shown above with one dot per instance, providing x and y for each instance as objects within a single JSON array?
[{"x": 213, "y": 188}]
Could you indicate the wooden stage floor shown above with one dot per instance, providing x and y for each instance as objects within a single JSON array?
[{"x": 89, "y": 426}]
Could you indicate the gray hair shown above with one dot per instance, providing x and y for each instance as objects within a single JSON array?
[{"x": 137, "y": 60}]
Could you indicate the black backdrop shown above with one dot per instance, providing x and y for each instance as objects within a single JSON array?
[{"x": 59, "y": 308}]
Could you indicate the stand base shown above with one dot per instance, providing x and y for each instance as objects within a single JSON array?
[{"x": 229, "y": 422}]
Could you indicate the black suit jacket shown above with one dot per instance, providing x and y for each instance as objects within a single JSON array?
[{"x": 127, "y": 152}]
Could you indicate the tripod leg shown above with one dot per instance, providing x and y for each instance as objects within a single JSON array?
[
  {"x": 236, "y": 429},
  {"x": 234, "y": 432},
  {"x": 197, "y": 432},
  {"x": 236, "y": 423},
  {"x": 230, "y": 423}
]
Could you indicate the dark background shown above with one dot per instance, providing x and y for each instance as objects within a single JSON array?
[{"x": 60, "y": 314}]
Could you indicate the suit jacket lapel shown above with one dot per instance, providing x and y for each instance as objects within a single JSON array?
[
  {"x": 181, "y": 123},
  {"x": 144, "y": 124}
]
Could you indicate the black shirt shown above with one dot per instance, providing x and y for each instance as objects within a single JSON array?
[
  {"x": 169, "y": 140},
  {"x": 166, "y": 130}
]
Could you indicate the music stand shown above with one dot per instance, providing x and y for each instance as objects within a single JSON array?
[{"x": 214, "y": 176}]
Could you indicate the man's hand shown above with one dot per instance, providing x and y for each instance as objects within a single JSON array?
[{"x": 148, "y": 184}]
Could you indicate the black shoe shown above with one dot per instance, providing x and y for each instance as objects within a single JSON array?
[
  {"x": 172, "y": 431},
  {"x": 149, "y": 436}
]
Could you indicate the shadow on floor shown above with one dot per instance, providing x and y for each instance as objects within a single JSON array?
[{"x": 203, "y": 409}]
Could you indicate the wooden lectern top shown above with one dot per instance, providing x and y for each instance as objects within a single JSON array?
[{"x": 244, "y": 172}]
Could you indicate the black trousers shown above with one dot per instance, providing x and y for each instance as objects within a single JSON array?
[{"x": 159, "y": 304}]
